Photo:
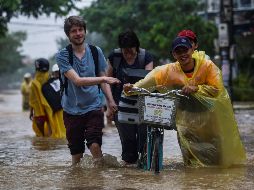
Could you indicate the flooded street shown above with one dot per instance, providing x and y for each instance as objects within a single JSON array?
[{"x": 29, "y": 162}]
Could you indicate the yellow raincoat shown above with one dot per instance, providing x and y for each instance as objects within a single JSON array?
[
  {"x": 25, "y": 91},
  {"x": 207, "y": 130},
  {"x": 55, "y": 124}
]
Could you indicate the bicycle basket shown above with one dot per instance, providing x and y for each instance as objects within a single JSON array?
[{"x": 158, "y": 111}]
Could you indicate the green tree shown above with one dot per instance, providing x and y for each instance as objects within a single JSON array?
[
  {"x": 62, "y": 42},
  {"x": 11, "y": 8},
  {"x": 243, "y": 84},
  {"x": 156, "y": 22},
  {"x": 10, "y": 57},
  {"x": 245, "y": 54}
]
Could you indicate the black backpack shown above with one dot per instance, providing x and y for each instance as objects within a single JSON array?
[
  {"x": 127, "y": 75},
  {"x": 51, "y": 92},
  {"x": 118, "y": 58},
  {"x": 64, "y": 84}
]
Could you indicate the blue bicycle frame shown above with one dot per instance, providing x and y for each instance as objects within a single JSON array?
[
  {"x": 153, "y": 135},
  {"x": 158, "y": 112}
]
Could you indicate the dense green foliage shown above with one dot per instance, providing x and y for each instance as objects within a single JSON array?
[
  {"x": 11, "y": 8},
  {"x": 10, "y": 57},
  {"x": 155, "y": 22},
  {"x": 245, "y": 53},
  {"x": 243, "y": 88},
  {"x": 243, "y": 85}
]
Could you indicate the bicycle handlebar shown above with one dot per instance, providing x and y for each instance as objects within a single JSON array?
[{"x": 144, "y": 91}]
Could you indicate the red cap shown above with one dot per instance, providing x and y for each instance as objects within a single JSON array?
[{"x": 188, "y": 33}]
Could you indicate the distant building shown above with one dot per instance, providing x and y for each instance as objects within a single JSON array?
[
  {"x": 243, "y": 24},
  {"x": 243, "y": 14}
]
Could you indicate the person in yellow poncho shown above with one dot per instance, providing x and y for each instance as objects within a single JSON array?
[
  {"x": 25, "y": 91},
  {"x": 193, "y": 39},
  {"x": 207, "y": 130},
  {"x": 46, "y": 123}
]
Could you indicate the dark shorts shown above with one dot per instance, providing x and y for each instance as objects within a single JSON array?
[{"x": 81, "y": 128}]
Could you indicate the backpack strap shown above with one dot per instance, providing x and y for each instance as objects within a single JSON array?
[
  {"x": 95, "y": 58},
  {"x": 116, "y": 60},
  {"x": 64, "y": 84},
  {"x": 70, "y": 52},
  {"x": 141, "y": 58},
  {"x": 95, "y": 55},
  {"x": 94, "y": 51}
]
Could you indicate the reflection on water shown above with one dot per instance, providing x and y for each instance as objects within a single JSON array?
[
  {"x": 40, "y": 143},
  {"x": 29, "y": 162}
]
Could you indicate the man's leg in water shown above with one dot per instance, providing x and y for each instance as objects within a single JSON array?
[
  {"x": 40, "y": 121},
  {"x": 93, "y": 134},
  {"x": 75, "y": 130},
  {"x": 76, "y": 158},
  {"x": 40, "y": 126},
  {"x": 96, "y": 152},
  {"x": 84, "y": 127}
]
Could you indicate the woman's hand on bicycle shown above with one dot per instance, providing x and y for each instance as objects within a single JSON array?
[
  {"x": 189, "y": 89},
  {"x": 127, "y": 87}
]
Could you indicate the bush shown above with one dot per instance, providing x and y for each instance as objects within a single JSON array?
[{"x": 243, "y": 88}]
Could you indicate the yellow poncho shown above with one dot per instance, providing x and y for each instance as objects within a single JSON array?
[
  {"x": 207, "y": 129},
  {"x": 42, "y": 108},
  {"x": 25, "y": 91}
]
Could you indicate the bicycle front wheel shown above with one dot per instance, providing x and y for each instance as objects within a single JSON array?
[{"x": 156, "y": 154}]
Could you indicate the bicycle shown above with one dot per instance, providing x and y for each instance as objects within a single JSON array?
[{"x": 158, "y": 112}]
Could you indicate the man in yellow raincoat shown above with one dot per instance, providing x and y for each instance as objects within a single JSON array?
[
  {"x": 193, "y": 39},
  {"x": 46, "y": 123},
  {"x": 207, "y": 130},
  {"x": 25, "y": 91}
]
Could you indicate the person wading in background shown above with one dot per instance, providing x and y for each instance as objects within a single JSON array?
[
  {"x": 25, "y": 91},
  {"x": 45, "y": 122}
]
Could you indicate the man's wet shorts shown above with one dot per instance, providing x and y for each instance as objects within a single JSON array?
[{"x": 81, "y": 128}]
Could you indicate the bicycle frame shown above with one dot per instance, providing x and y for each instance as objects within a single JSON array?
[
  {"x": 158, "y": 111},
  {"x": 154, "y": 134}
]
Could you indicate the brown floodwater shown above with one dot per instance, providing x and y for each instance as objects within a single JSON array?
[{"x": 29, "y": 162}]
